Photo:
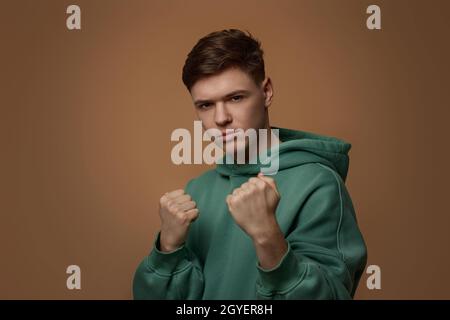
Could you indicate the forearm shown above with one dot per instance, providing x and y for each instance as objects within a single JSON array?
[{"x": 270, "y": 247}]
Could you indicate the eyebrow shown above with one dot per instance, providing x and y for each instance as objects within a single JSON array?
[{"x": 228, "y": 95}]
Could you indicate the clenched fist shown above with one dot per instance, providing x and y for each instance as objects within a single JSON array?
[
  {"x": 253, "y": 206},
  {"x": 177, "y": 211}
]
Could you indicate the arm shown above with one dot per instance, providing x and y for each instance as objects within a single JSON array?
[
  {"x": 322, "y": 256},
  {"x": 168, "y": 275},
  {"x": 171, "y": 271},
  {"x": 326, "y": 253}
]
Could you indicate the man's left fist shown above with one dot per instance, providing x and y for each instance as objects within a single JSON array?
[{"x": 253, "y": 206}]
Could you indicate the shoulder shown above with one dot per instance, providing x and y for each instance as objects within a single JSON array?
[{"x": 314, "y": 175}]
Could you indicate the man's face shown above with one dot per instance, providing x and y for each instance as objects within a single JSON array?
[{"x": 232, "y": 100}]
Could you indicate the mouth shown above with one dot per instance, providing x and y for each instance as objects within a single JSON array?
[{"x": 226, "y": 137}]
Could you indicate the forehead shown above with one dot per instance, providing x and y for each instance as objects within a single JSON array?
[{"x": 219, "y": 85}]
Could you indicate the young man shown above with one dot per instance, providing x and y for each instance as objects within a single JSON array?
[{"x": 234, "y": 233}]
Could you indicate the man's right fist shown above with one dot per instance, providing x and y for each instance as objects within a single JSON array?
[{"x": 177, "y": 211}]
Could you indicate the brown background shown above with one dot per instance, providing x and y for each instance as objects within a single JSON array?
[{"x": 86, "y": 118}]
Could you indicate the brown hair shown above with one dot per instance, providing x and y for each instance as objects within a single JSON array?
[{"x": 221, "y": 50}]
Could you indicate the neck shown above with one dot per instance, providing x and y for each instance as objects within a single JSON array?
[{"x": 272, "y": 141}]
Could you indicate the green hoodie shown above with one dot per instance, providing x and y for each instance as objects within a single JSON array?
[{"x": 326, "y": 252}]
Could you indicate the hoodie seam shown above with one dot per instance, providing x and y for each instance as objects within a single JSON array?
[
  {"x": 325, "y": 151},
  {"x": 263, "y": 291},
  {"x": 338, "y": 231},
  {"x": 167, "y": 275}
]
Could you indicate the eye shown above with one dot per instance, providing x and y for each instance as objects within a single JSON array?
[
  {"x": 237, "y": 98},
  {"x": 204, "y": 105}
]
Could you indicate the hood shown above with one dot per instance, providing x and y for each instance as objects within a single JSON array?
[{"x": 297, "y": 148}]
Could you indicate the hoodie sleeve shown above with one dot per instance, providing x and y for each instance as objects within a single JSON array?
[
  {"x": 169, "y": 275},
  {"x": 173, "y": 275},
  {"x": 326, "y": 252}
]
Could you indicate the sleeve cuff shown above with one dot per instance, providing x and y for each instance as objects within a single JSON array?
[
  {"x": 283, "y": 276},
  {"x": 167, "y": 263}
]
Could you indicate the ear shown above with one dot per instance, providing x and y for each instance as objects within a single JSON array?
[{"x": 268, "y": 91}]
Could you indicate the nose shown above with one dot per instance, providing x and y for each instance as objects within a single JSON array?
[{"x": 221, "y": 115}]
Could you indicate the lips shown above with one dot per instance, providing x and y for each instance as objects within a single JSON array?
[
  {"x": 230, "y": 136},
  {"x": 227, "y": 136}
]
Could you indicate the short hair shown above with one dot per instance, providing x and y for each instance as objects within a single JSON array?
[{"x": 221, "y": 50}]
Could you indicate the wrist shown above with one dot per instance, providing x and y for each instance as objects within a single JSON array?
[
  {"x": 165, "y": 246},
  {"x": 167, "y": 249},
  {"x": 267, "y": 235},
  {"x": 270, "y": 249},
  {"x": 268, "y": 238}
]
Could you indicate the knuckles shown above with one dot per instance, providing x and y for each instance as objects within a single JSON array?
[
  {"x": 171, "y": 203},
  {"x": 247, "y": 190}
]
